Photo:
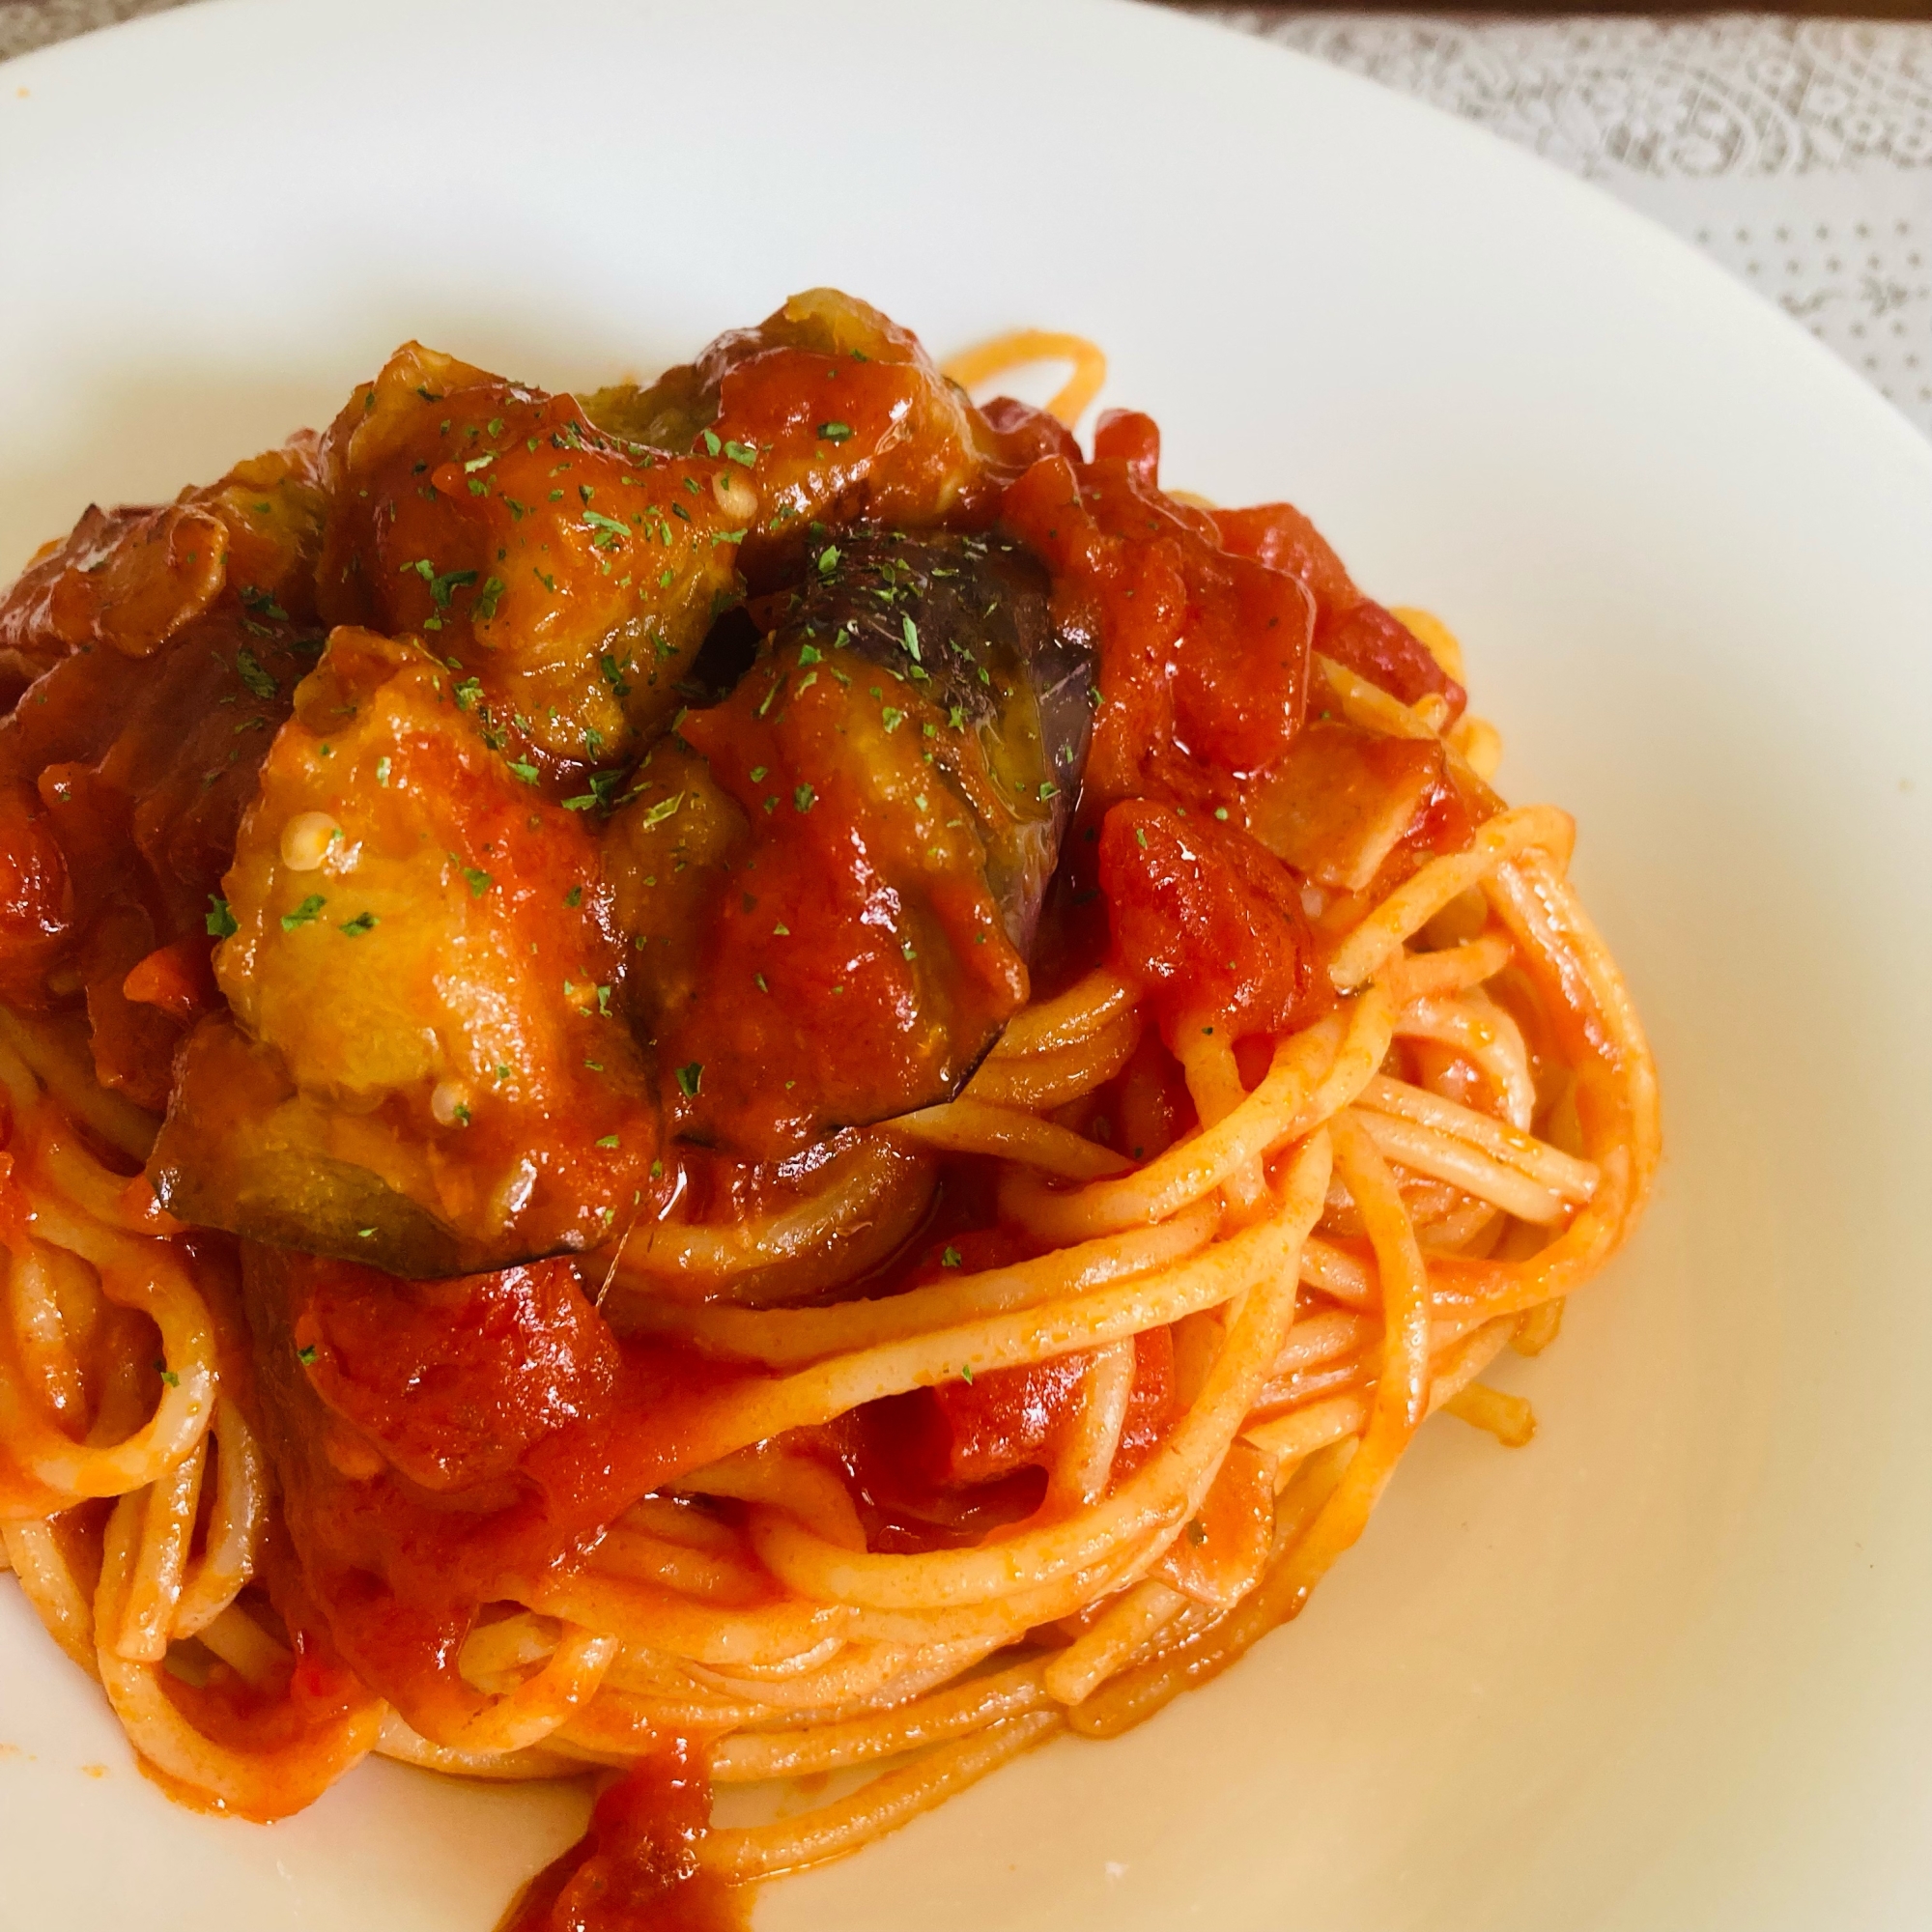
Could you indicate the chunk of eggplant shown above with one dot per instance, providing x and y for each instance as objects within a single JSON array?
[
  {"x": 833, "y": 878},
  {"x": 566, "y": 576},
  {"x": 419, "y": 1065}
]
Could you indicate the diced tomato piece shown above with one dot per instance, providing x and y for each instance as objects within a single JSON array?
[
  {"x": 636, "y": 1864},
  {"x": 1008, "y": 1419},
  {"x": 179, "y": 979},
  {"x": 1204, "y": 918},
  {"x": 1204, "y": 652},
  {"x": 455, "y": 1380}
]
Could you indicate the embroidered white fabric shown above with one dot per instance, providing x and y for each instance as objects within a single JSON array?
[
  {"x": 1797, "y": 151},
  {"x": 26, "y": 25}
]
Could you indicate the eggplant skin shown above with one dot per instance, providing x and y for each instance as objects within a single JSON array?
[{"x": 967, "y": 622}]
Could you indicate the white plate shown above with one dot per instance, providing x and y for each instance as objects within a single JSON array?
[{"x": 1670, "y": 1666}]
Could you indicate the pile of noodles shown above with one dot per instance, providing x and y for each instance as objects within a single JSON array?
[{"x": 1337, "y": 1250}]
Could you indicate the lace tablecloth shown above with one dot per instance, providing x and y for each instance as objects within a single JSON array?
[{"x": 1797, "y": 151}]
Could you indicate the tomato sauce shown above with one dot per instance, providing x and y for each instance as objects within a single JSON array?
[
  {"x": 147, "y": 661},
  {"x": 636, "y": 1866},
  {"x": 1204, "y": 652},
  {"x": 443, "y": 1445}
]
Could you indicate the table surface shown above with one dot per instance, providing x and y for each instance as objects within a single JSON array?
[{"x": 1796, "y": 150}]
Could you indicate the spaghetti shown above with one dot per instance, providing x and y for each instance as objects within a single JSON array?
[{"x": 1032, "y": 1399}]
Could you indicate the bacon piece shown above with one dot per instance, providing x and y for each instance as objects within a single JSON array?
[{"x": 1345, "y": 799}]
